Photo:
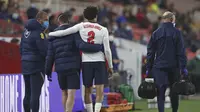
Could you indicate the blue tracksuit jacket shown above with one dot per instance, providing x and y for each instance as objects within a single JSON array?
[
  {"x": 33, "y": 48},
  {"x": 166, "y": 48}
]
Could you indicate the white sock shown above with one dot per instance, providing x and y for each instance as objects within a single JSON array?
[
  {"x": 98, "y": 107},
  {"x": 89, "y": 107}
]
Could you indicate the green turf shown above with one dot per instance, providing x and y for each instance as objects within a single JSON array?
[{"x": 185, "y": 106}]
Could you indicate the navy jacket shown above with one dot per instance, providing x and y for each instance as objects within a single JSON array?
[
  {"x": 64, "y": 51},
  {"x": 33, "y": 48},
  {"x": 166, "y": 48}
]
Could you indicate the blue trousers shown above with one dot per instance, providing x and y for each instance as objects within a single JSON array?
[
  {"x": 33, "y": 86},
  {"x": 164, "y": 78}
]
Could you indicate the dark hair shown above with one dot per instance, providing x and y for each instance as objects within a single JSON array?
[
  {"x": 72, "y": 9},
  {"x": 51, "y": 19},
  {"x": 160, "y": 18},
  {"x": 14, "y": 40},
  {"x": 64, "y": 18},
  {"x": 90, "y": 12},
  {"x": 41, "y": 14},
  {"x": 46, "y": 10}
]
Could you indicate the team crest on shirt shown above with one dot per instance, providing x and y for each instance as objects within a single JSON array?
[
  {"x": 27, "y": 33},
  {"x": 41, "y": 35}
]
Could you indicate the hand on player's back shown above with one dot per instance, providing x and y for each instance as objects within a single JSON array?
[{"x": 102, "y": 48}]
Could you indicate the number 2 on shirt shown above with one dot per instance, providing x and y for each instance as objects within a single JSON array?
[{"x": 91, "y": 36}]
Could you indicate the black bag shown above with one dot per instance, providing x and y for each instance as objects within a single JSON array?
[
  {"x": 183, "y": 87},
  {"x": 147, "y": 90}
]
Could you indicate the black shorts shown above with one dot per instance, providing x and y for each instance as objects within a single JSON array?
[
  {"x": 96, "y": 71},
  {"x": 69, "y": 79}
]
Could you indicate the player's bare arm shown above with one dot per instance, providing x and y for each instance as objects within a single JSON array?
[{"x": 107, "y": 51}]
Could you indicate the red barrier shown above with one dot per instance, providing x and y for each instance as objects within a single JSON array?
[
  {"x": 8, "y": 27},
  {"x": 9, "y": 58}
]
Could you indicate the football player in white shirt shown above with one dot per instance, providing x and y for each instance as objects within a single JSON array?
[{"x": 94, "y": 64}]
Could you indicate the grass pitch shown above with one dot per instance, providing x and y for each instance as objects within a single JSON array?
[{"x": 184, "y": 106}]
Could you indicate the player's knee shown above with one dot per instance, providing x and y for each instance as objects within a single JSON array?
[
  {"x": 64, "y": 93},
  {"x": 71, "y": 93},
  {"x": 99, "y": 93},
  {"x": 99, "y": 97},
  {"x": 88, "y": 91},
  {"x": 99, "y": 89}
]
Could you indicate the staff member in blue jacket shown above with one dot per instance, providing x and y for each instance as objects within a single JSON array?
[
  {"x": 65, "y": 53},
  {"x": 33, "y": 48},
  {"x": 166, "y": 59}
]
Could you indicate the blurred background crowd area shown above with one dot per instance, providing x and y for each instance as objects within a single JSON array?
[{"x": 131, "y": 20}]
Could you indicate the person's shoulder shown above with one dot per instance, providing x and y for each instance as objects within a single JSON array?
[
  {"x": 104, "y": 28},
  {"x": 63, "y": 27},
  {"x": 80, "y": 24},
  {"x": 177, "y": 30},
  {"x": 157, "y": 30},
  {"x": 160, "y": 30}
]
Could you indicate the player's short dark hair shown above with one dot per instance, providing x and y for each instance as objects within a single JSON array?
[
  {"x": 90, "y": 12},
  {"x": 64, "y": 18}
]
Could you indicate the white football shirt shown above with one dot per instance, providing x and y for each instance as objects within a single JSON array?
[{"x": 92, "y": 33}]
